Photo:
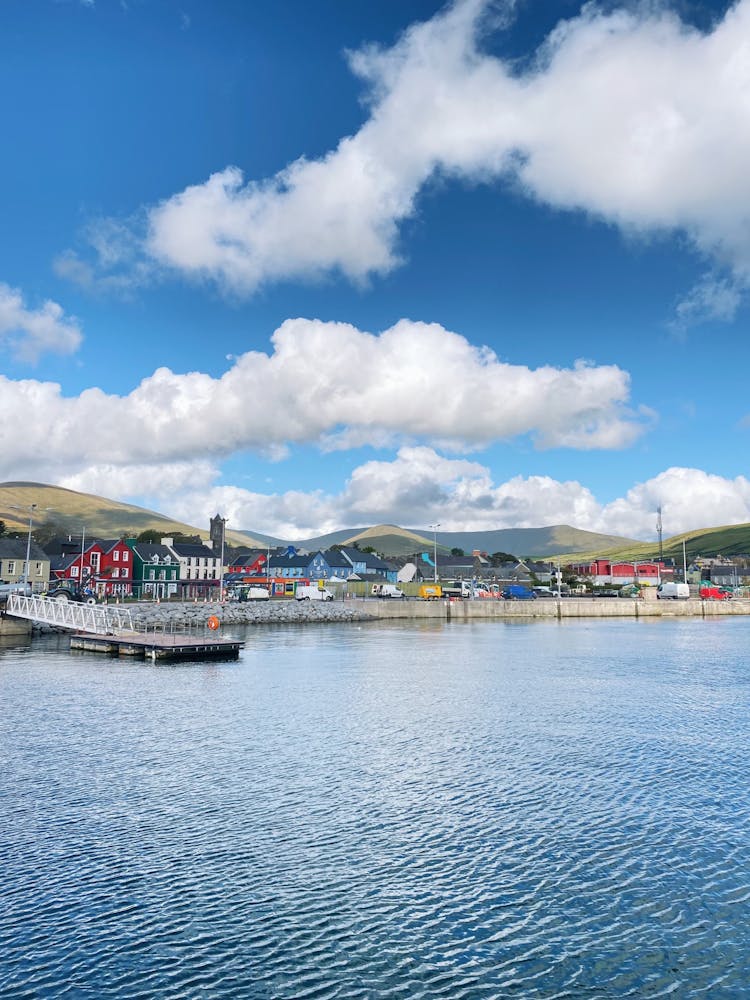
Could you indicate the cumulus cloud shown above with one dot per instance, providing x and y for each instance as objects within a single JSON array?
[
  {"x": 327, "y": 384},
  {"x": 420, "y": 486},
  {"x": 28, "y": 333},
  {"x": 161, "y": 480},
  {"x": 629, "y": 115},
  {"x": 690, "y": 498}
]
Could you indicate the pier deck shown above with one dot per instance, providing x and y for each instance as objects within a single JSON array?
[{"x": 158, "y": 646}]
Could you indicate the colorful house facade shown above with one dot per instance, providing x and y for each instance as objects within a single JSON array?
[
  {"x": 156, "y": 570},
  {"x": 104, "y": 565}
]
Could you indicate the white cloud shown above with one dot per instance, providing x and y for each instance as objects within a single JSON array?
[
  {"x": 327, "y": 384},
  {"x": 629, "y": 115},
  {"x": 119, "y": 264},
  {"x": 711, "y": 298},
  {"x": 27, "y": 333},
  {"x": 159, "y": 480},
  {"x": 419, "y": 487},
  {"x": 690, "y": 498}
]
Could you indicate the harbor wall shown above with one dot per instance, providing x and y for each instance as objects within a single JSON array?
[
  {"x": 10, "y": 626},
  {"x": 552, "y": 609}
]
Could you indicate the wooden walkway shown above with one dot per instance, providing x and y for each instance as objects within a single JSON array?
[{"x": 158, "y": 646}]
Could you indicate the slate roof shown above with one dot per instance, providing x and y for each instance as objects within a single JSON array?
[
  {"x": 15, "y": 548},
  {"x": 191, "y": 550},
  {"x": 371, "y": 560},
  {"x": 147, "y": 550}
]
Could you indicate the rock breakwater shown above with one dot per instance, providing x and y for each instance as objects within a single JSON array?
[{"x": 195, "y": 616}]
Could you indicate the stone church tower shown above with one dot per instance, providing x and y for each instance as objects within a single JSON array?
[{"x": 216, "y": 533}]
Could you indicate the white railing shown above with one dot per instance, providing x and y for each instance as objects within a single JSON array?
[{"x": 71, "y": 615}]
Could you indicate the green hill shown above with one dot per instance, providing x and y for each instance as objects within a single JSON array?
[
  {"x": 540, "y": 543},
  {"x": 68, "y": 512},
  {"x": 730, "y": 540},
  {"x": 390, "y": 540}
]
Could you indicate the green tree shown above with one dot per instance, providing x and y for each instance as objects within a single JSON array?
[
  {"x": 498, "y": 558},
  {"x": 2, "y": 528},
  {"x": 458, "y": 552},
  {"x": 151, "y": 536},
  {"x": 46, "y": 531}
]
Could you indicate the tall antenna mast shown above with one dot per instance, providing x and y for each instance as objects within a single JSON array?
[{"x": 659, "y": 532}]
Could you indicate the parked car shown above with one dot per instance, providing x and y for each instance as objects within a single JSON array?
[{"x": 605, "y": 592}]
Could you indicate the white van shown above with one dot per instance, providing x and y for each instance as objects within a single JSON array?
[
  {"x": 313, "y": 594},
  {"x": 258, "y": 594},
  {"x": 673, "y": 591},
  {"x": 386, "y": 590}
]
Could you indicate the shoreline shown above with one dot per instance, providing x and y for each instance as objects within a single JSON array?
[
  {"x": 358, "y": 610},
  {"x": 193, "y": 616}
]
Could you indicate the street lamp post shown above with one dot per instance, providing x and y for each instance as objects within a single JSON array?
[
  {"x": 31, "y": 508},
  {"x": 83, "y": 555},
  {"x": 221, "y": 577},
  {"x": 434, "y": 548}
]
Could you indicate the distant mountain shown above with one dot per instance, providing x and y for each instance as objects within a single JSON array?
[
  {"x": 390, "y": 540},
  {"x": 341, "y": 537},
  {"x": 538, "y": 543},
  {"x": 71, "y": 512}
]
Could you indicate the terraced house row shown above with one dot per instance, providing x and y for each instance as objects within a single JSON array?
[{"x": 115, "y": 567}]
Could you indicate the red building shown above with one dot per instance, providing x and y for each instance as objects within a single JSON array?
[
  {"x": 104, "y": 565},
  {"x": 602, "y": 572}
]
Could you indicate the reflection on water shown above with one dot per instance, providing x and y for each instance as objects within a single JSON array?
[{"x": 468, "y": 810}]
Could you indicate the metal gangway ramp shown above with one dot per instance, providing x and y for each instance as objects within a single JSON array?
[{"x": 91, "y": 618}]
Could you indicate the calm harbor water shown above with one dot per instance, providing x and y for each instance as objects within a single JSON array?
[{"x": 485, "y": 810}]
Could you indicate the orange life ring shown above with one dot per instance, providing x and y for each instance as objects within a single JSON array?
[{"x": 213, "y": 623}]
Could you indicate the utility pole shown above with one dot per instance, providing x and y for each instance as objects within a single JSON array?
[
  {"x": 31, "y": 508},
  {"x": 659, "y": 532},
  {"x": 221, "y": 576},
  {"x": 434, "y": 547}
]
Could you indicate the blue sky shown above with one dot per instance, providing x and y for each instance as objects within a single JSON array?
[{"x": 315, "y": 264}]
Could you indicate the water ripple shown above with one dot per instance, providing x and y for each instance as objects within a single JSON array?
[{"x": 466, "y": 812}]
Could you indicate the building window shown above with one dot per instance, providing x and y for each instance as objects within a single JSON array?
[
  {"x": 125, "y": 556},
  {"x": 115, "y": 572},
  {"x": 74, "y": 571},
  {"x": 116, "y": 555}
]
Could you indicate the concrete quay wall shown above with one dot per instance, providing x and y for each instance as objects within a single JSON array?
[
  {"x": 544, "y": 608},
  {"x": 10, "y": 626},
  {"x": 194, "y": 616}
]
